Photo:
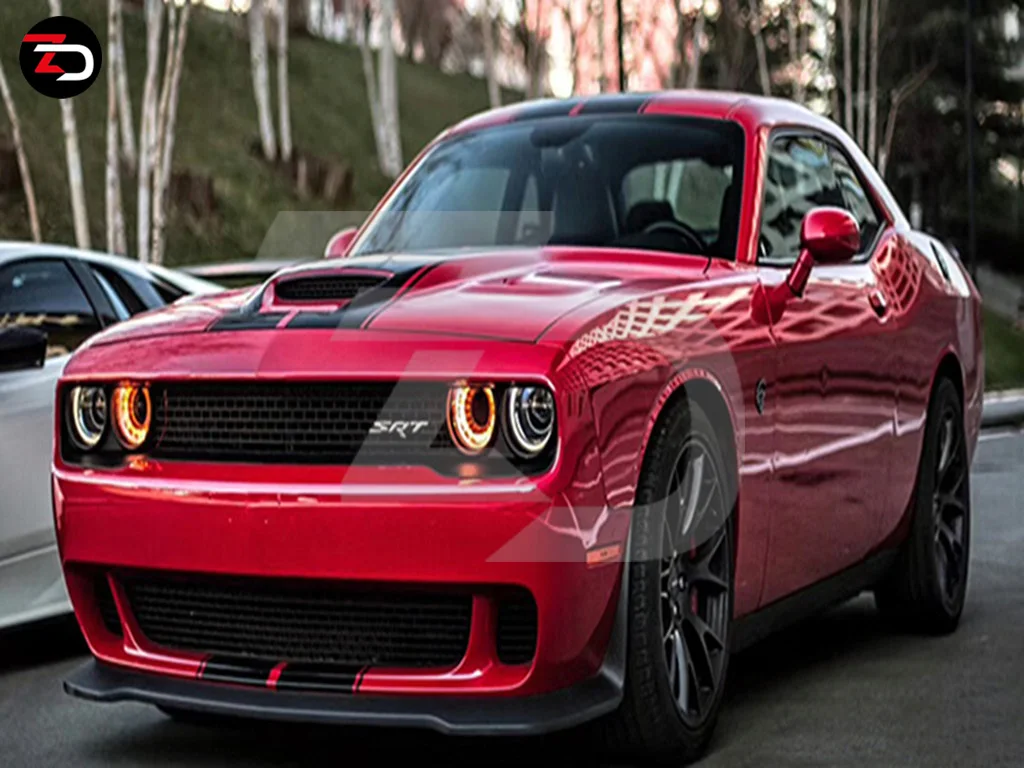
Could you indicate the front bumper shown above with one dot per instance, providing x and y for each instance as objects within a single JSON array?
[
  {"x": 461, "y": 715},
  {"x": 354, "y": 529}
]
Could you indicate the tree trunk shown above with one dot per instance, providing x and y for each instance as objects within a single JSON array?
[
  {"x": 376, "y": 118},
  {"x": 862, "y": 80},
  {"x": 124, "y": 99},
  {"x": 696, "y": 51},
  {"x": 112, "y": 184},
  {"x": 602, "y": 78},
  {"x": 487, "y": 30},
  {"x": 19, "y": 150},
  {"x": 389, "y": 89},
  {"x": 284, "y": 109},
  {"x": 847, "y": 68},
  {"x": 261, "y": 77},
  {"x": 762, "y": 54},
  {"x": 167, "y": 121},
  {"x": 76, "y": 183},
  {"x": 147, "y": 130},
  {"x": 873, "y": 87}
]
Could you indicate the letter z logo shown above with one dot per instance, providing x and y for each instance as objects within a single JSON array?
[{"x": 60, "y": 57}]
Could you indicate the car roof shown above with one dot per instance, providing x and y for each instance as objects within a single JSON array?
[
  {"x": 743, "y": 107},
  {"x": 10, "y": 250}
]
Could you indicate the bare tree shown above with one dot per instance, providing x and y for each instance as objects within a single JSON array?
[
  {"x": 19, "y": 150},
  {"x": 487, "y": 32},
  {"x": 114, "y": 211},
  {"x": 76, "y": 183},
  {"x": 389, "y": 87},
  {"x": 862, "y": 66},
  {"x": 696, "y": 48},
  {"x": 900, "y": 94},
  {"x": 148, "y": 128},
  {"x": 177, "y": 37},
  {"x": 261, "y": 77},
  {"x": 602, "y": 78},
  {"x": 382, "y": 87},
  {"x": 120, "y": 64},
  {"x": 284, "y": 113},
  {"x": 757, "y": 30},
  {"x": 872, "y": 148},
  {"x": 847, "y": 67}
]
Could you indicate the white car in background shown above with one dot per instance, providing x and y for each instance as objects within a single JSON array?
[{"x": 52, "y": 298}]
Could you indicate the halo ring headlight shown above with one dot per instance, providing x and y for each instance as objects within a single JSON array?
[
  {"x": 529, "y": 419},
  {"x": 88, "y": 416},
  {"x": 471, "y": 417},
  {"x": 132, "y": 414}
]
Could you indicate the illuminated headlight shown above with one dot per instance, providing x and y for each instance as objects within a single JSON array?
[
  {"x": 471, "y": 417},
  {"x": 132, "y": 414},
  {"x": 529, "y": 419},
  {"x": 88, "y": 416}
]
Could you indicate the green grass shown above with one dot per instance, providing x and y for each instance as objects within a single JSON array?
[
  {"x": 216, "y": 125},
  {"x": 1004, "y": 354}
]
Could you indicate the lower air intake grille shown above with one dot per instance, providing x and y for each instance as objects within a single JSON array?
[
  {"x": 312, "y": 622},
  {"x": 324, "y": 288},
  {"x": 107, "y": 607},
  {"x": 300, "y": 423},
  {"x": 517, "y": 628}
]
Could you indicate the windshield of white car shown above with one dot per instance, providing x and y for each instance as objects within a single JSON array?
[{"x": 652, "y": 183}]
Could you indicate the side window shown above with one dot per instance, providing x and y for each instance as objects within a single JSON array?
[
  {"x": 799, "y": 178},
  {"x": 43, "y": 293},
  {"x": 856, "y": 199}
]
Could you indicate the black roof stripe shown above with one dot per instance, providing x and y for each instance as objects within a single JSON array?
[
  {"x": 618, "y": 103},
  {"x": 547, "y": 108}
]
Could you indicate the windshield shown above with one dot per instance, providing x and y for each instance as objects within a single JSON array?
[{"x": 657, "y": 183}]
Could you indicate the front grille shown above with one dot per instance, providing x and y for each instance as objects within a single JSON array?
[
  {"x": 315, "y": 422},
  {"x": 304, "y": 622},
  {"x": 517, "y": 628},
  {"x": 326, "y": 288}
]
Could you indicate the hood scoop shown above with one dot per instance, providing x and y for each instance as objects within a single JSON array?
[{"x": 325, "y": 289}]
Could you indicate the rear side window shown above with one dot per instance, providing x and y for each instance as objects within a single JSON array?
[{"x": 43, "y": 293}]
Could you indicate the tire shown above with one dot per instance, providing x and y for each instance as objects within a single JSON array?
[
  {"x": 926, "y": 591},
  {"x": 655, "y": 722}
]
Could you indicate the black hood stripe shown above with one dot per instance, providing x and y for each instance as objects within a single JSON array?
[{"x": 406, "y": 271}]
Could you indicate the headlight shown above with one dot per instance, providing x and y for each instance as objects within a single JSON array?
[
  {"x": 530, "y": 419},
  {"x": 132, "y": 414},
  {"x": 88, "y": 407},
  {"x": 471, "y": 417}
]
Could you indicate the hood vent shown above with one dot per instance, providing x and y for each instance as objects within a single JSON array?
[{"x": 326, "y": 288}]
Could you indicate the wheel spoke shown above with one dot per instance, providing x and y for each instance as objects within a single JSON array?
[
  {"x": 695, "y": 471},
  {"x": 700, "y": 572},
  {"x": 681, "y": 664}
]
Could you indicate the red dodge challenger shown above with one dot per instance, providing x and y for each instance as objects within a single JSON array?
[{"x": 604, "y": 390}]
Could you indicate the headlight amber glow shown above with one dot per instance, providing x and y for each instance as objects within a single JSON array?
[
  {"x": 88, "y": 416},
  {"x": 132, "y": 414},
  {"x": 471, "y": 417}
]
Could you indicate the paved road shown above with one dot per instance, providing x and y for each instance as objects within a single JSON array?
[{"x": 840, "y": 689}]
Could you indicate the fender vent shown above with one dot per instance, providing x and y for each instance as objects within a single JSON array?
[{"x": 326, "y": 287}]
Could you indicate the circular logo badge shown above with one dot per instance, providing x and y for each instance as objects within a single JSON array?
[{"x": 60, "y": 57}]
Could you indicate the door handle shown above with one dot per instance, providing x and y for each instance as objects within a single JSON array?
[{"x": 877, "y": 300}]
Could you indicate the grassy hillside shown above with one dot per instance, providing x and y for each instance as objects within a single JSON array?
[
  {"x": 216, "y": 125},
  {"x": 1004, "y": 354}
]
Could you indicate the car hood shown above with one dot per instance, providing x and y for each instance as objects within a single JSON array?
[{"x": 513, "y": 295}]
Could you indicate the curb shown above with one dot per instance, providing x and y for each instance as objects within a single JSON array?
[{"x": 1003, "y": 409}]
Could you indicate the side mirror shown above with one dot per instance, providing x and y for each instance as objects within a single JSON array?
[
  {"x": 337, "y": 246},
  {"x": 827, "y": 236},
  {"x": 21, "y": 349}
]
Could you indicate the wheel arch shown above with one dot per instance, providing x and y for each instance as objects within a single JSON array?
[{"x": 949, "y": 367}]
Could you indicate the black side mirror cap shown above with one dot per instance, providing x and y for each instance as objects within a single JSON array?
[{"x": 22, "y": 349}]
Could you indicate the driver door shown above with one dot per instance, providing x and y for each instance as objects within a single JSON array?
[{"x": 835, "y": 394}]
